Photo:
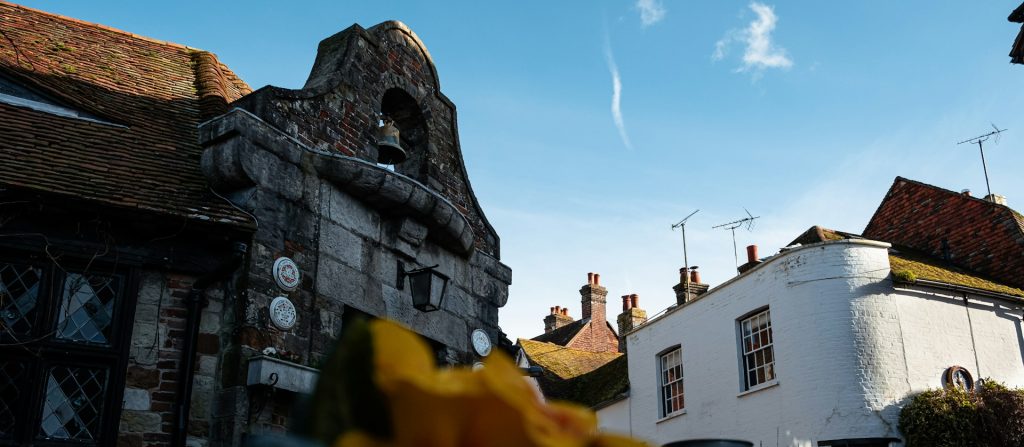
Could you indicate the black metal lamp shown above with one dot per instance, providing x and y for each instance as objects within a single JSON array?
[{"x": 427, "y": 286}]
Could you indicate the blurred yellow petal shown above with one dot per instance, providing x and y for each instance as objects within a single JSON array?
[
  {"x": 355, "y": 438},
  {"x": 457, "y": 407},
  {"x": 398, "y": 353}
]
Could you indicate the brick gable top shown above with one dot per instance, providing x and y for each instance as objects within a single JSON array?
[
  {"x": 141, "y": 151},
  {"x": 563, "y": 335},
  {"x": 968, "y": 232}
]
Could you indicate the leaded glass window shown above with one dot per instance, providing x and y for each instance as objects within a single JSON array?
[
  {"x": 62, "y": 350},
  {"x": 73, "y": 405},
  {"x": 87, "y": 308},
  {"x": 12, "y": 382},
  {"x": 19, "y": 293}
]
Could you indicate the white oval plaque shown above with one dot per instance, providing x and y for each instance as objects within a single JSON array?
[
  {"x": 282, "y": 313},
  {"x": 286, "y": 273}
]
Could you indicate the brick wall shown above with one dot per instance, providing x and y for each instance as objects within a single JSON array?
[
  {"x": 596, "y": 336},
  {"x": 152, "y": 382}
]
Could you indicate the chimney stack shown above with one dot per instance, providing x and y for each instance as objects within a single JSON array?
[
  {"x": 996, "y": 198},
  {"x": 630, "y": 318},
  {"x": 558, "y": 317},
  {"x": 751, "y": 259},
  {"x": 689, "y": 288},
  {"x": 593, "y": 297}
]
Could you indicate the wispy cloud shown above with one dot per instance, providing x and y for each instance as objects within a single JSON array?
[
  {"x": 761, "y": 52},
  {"x": 651, "y": 11},
  {"x": 616, "y": 95}
]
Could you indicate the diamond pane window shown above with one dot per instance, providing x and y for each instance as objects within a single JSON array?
[
  {"x": 12, "y": 379},
  {"x": 19, "y": 293},
  {"x": 73, "y": 404},
  {"x": 87, "y": 308}
]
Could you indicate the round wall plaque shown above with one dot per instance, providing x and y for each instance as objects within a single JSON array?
[
  {"x": 282, "y": 313},
  {"x": 286, "y": 273},
  {"x": 959, "y": 377},
  {"x": 481, "y": 342}
]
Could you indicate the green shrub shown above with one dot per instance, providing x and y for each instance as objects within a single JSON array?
[
  {"x": 992, "y": 416},
  {"x": 1001, "y": 415},
  {"x": 940, "y": 418}
]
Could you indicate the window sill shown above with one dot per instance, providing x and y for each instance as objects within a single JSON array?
[
  {"x": 671, "y": 416},
  {"x": 763, "y": 386}
]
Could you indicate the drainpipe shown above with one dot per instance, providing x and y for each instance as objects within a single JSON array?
[{"x": 195, "y": 303}]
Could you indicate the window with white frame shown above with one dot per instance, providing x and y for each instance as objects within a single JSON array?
[
  {"x": 671, "y": 380},
  {"x": 756, "y": 345}
]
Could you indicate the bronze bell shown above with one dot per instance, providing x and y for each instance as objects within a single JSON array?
[{"x": 389, "y": 147}]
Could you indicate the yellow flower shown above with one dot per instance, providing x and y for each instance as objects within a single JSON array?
[{"x": 491, "y": 407}]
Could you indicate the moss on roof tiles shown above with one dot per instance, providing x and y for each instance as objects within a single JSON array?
[
  {"x": 563, "y": 362},
  {"x": 599, "y": 386},
  {"x": 909, "y": 268},
  {"x": 817, "y": 234}
]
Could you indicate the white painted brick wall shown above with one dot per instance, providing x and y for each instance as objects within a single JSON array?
[
  {"x": 615, "y": 418},
  {"x": 849, "y": 349}
]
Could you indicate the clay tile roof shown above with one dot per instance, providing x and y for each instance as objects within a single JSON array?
[
  {"x": 147, "y": 97},
  {"x": 817, "y": 234},
  {"x": 982, "y": 237},
  {"x": 563, "y": 362},
  {"x": 596, "y": 388},
  {"x": 563, "y": 335},
  {"x": 908, "y": 266}
]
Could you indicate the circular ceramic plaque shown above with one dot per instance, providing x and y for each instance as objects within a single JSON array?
[
  {"x": 481, "y": 342},
  {"x": 282, "y": 313},
  {"x": 959, "y": 377},
  {"x": 286, "y": 273}
]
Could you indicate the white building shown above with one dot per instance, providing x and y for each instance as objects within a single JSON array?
[{"x": 821, "y": 344}]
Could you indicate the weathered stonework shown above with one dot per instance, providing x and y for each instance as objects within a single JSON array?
[
  {"x": 360, "y": 74},
  {"x": 301, "y": 162}
]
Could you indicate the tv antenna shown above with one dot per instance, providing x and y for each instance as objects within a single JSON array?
[
  {"x": 686, "y": 261},
  {"x": 980, "y": 140},
  {"x": 732, "y": 226}
]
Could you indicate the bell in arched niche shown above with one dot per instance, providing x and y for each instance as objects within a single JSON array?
[{"x": 389, "y": 146}]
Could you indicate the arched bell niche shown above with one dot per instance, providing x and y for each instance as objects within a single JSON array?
[{"x": 412, "y": 127}]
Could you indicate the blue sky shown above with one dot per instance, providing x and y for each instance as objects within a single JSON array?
[{"x": 804, "y": 117}]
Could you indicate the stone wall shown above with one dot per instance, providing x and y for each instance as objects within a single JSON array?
[
  {"x": 349, "y": 225},
  {"x": 338, "y": 110},
  {"x": 154, "y": 361}
]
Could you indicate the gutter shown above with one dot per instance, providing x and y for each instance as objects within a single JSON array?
[
  {"x": 963, "y": 289},
  {"x": 195, "y": 303},
  {"x": 607, "y": 403}
]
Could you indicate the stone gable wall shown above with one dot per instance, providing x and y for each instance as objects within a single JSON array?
[
  {"x": 338, "y": 110},
  {"x": 347, "y": 224}
]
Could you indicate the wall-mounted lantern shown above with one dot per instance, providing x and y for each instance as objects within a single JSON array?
[
  {"x": 389, "y": 145},
  {"x": 427, "y": 286}
]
